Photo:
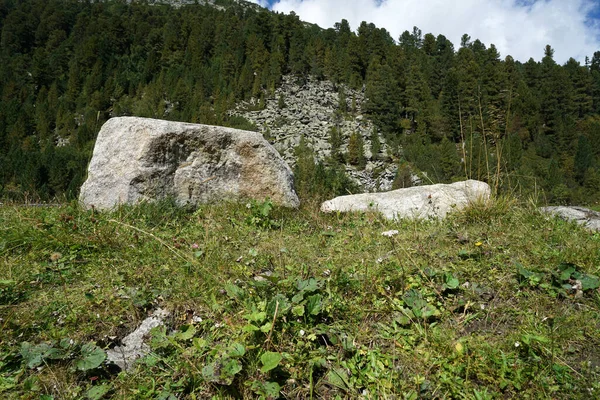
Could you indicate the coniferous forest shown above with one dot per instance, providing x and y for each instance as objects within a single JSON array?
[{"x": 449, "y": 110}]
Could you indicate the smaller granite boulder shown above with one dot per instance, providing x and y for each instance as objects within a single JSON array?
[
  {"x": 133, "y": 345},
  {"x": 590, "y": 219},
  {"x": 420, "y": 202},
  {"x": 141, "y": 159}
]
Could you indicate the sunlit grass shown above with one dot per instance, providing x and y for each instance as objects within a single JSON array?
[{"x": 436, "y": 310}]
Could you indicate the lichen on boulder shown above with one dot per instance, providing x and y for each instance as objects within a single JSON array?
[{"x": 141, "y": 159}]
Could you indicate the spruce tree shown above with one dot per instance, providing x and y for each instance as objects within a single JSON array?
[
  {"x": 375, "y": 143},
  {"x": 336, "y": 141},
  {"x": 356, "y": 152},
  {"x": 583, "y": 158}
]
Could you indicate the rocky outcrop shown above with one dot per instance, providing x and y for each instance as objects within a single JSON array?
[
  {"x": 311, "y": 108},
  {"x": 431, "y": 201},
  {"x": 180, "y": 3},
  {"x": 590, "y": 219},
  {"x": 141, "y": 159}
]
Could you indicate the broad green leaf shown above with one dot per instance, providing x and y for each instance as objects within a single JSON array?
[
  {"x": 411, "y": 297},
  {"x": 534, "y": 278},
  {"x": 31, "y": 384},
  {"x": 187, "y": 332},
  {"x": 92, "y": 357},
  {"x": 566, "y": 274},
  {"x": 66, "y": 343},
  {"x": 166, "y": 394},
  {"x": 209, "y": 372},
  {"x": 266, "y": 327},
  {"x": 237, "y": 350},
  {"x": 451, "y": 282},
  {"x": 257, "y": 316},
  {"x": 270, "y": 360},
  {"x": 279, "y": 302},
  {"x": 308, "y": 285},
  {"x": 298, "y": 297},
  {"x": 348, "y": 343},
  {"x": 528, "y": 339},
  {"x": 565, "y": 266},
  {"x": 313, "y": 304},
  {"x": 234, "y": 291},
  {"x": 97, "y": 392},
  {"x": 230, "y": 368},
  {"x": 199, "y": 343},
  {"x": 429, "y": 311},
  {"x": 339, "y": 378},
  {"x": 402, "y": 320},
  {"x": 589, "y": 282},
  {"x": 298, "y": 310},
  {"x": 250, "y": 328},
  {"x": 271, "y": 389},
  {"x": 57, "y": 354},
  {"x": 222, "y": 371},
  {"x": 34, "y": 356}
]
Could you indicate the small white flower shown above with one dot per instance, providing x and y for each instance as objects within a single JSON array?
[
  {"x": 248, "y": 205},
  {"x": 379, "y": 260},
  {"x": 218, "y": 324},
  {"x": 391, "y": 233},
  {"x": 302, "y": 332},
  {"x": 196, "y": 319},
  {"x": 517, "y": 344}
]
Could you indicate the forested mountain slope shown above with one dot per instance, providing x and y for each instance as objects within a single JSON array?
[{"x": 448, "y": 111}]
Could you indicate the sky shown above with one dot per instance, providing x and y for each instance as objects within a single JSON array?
[{"x": 520, "y": 28}]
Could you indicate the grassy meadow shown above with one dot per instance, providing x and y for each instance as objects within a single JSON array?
[{"x": 495, "y": 302}]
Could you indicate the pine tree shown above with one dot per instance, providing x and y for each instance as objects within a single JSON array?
[
  {"x": 382, "y": 97},
  {"x": 403, "y": 178},
  {"x": 583, "y": 158},
  {"x": 375, "y": 144},
  {"x": 356, "y": 152},
  {"x": 336, "y": 141},
  {"x": 449, "y": 160}
]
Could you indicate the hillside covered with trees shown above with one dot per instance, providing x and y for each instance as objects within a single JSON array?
[{"x": 449, "y": 111}]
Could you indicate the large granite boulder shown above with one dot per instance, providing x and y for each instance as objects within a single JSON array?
[
  {"x": 431, "y": 201},
  {"x": 141, "y": 159},
  {"x": 590, "y": 219}
]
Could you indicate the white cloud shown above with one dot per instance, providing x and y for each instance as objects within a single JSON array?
[{"x": 521, "y": 28}]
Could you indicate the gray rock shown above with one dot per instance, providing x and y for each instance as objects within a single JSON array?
[
  {"x": 590, "y": 219},
  {"x": 420, "y": 202},
  {"x": 133, "y": 345},
  {"x": 141, "y": 159}
]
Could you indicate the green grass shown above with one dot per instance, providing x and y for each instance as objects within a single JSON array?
[{"x": 298, "y": 304}]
